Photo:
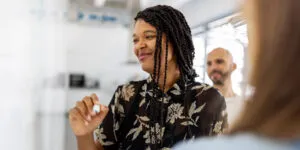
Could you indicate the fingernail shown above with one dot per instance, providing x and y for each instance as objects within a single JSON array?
[
  {"x": 96, "y": 108},
  {"x": 89, "y": 118}
]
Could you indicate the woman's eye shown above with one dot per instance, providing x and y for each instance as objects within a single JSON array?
[
  {"x": 135, "y": 40},
  {"x": 149, "y": 37}
]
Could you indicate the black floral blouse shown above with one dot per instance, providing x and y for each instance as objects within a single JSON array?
[{"x": 128, "y": 125}]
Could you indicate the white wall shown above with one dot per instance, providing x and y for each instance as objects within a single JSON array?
[
  {"x": 31, "y": 55},
  {"x": 15, "y": 87},
  {"x": 200, "y": 11}
]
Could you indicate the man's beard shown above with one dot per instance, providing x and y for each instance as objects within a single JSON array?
[{"x": 222, "y": 79}]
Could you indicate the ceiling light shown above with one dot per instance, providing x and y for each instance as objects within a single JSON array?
[{"x": 99, "y": 3}]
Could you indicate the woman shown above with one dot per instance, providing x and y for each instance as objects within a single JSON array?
[
  {"x": 166, "y": 108},
  {"x": 271, "y": 120}
]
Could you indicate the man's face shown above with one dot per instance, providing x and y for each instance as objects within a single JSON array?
[{"x": 219, "y": 66}]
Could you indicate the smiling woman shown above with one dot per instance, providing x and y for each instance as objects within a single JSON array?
[{"x": 158, "y": 112}]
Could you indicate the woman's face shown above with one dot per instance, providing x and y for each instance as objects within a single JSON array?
[{"x": 144, "y": 39}]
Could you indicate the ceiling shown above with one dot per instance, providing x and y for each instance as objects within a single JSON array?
[
  {"x": 197, "y": 12},
  {"x": 129, "y": 4}
]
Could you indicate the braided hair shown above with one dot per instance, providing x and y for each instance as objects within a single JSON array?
[{"x": 173, "y": 24}]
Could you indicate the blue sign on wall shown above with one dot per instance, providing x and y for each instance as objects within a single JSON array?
[{"x": 96, "y": 17}]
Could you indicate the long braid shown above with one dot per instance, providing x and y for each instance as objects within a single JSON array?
[
  {"x": 152, "y": 101},
  {"x": 155, "y": 79},
  {"x": 164, "y": 86},
  {"x": 159, "y": 51},
  {"x": 177, "y": 37},
  {"x": 171, "y": 22}
]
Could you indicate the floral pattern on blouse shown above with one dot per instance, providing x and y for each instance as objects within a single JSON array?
[{"x": 128, "y": 122}]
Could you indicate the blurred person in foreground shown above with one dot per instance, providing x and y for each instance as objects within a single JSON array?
[
  {"x": 168, "y": 107},
  {"x": 271, "y": 119},
  {"x": 220, "y": 66}
]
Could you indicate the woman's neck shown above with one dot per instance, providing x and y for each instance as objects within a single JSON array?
[{"x": 173, "y": 74}]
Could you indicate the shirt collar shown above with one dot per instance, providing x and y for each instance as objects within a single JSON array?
[{"x": 178, "y": 85}]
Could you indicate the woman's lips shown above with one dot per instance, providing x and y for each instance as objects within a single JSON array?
[{"x": 143, "y": 56}]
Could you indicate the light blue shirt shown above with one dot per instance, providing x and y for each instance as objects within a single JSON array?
[{"x": 238, "y": 142}]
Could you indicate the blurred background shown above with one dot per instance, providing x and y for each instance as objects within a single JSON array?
[{"x": 54, "y": 52}]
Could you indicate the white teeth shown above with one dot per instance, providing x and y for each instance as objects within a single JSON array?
[{"x": 96, "y": 108}]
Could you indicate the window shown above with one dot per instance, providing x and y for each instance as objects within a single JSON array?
[
  {"x": 230, "y": 37},
  {"x": 199, "y": 61}
]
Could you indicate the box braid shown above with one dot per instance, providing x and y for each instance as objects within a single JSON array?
[
  {"x": 155, "y": 77},
  {"x": 173, "y": 24}
]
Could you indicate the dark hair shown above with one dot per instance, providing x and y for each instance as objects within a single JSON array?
[
  {"x": 274, "y": 108},
  {"x": 173, "y": 24}
]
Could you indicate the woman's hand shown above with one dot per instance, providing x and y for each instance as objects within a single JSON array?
[{"x": 83, "y": 119}]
